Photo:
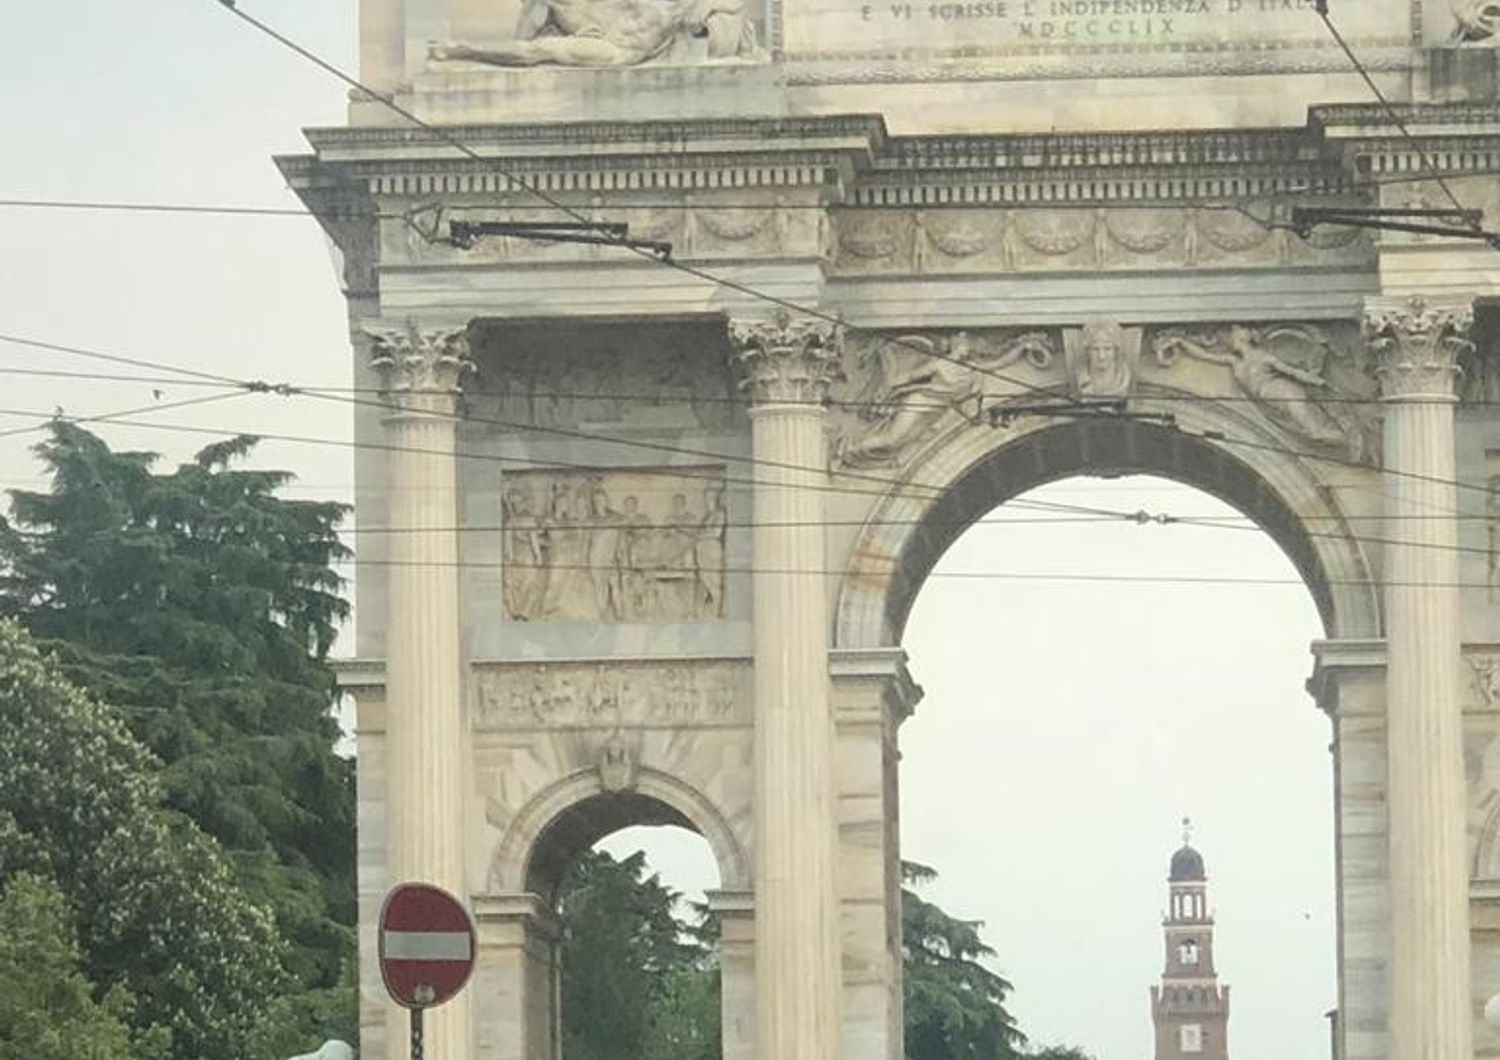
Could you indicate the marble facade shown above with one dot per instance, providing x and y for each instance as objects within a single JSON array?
[{"x": 661, "y": 534}]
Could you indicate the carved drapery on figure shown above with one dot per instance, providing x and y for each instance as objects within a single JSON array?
[
  {"x": 1476, "y": 20},
  {"x": 782, "y": 360},
  {"x": 617, "y": 33},
  {"x": 1103, "y": 359},
  {"x": 1419, "y": 346},
  {"x": 420, "y": 368},
  {"x": 904, "y": 386},
  {"x": 1284, "y": 371},
  {"x": 615, "y": 546}
]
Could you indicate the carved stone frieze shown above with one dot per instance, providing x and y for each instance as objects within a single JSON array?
[
  {"x": 785, "y": 359},
  {"x": 891, "y": 239},
  {"x": 1146, "y": 231},
  {"x": 651, "y": 376},
  {"x": 643, "y": 545},
  {"x": 1476, "y": 21},
  {"x": 901, "y": 389},
  {"x": 1492, "y": 535},
  {"x": 616, "y": 33},
  {"x": 1287, "y": 373},
  {"x": 1103, "y": 359},
  {"x": 1484, "y": 680},
  {"x": 415, "y": 360},
  {"x": 1419, "y": 346},
  {"x": 612, "y": 695}
]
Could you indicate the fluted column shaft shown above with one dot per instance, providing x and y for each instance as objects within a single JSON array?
[
  {"x": 786, "y": 367},
  {"x": 1430, "y": 1016},
  {"x": 424, "y": 742}
]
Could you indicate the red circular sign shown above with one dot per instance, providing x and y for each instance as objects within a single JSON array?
[{"x": 426, "y": 945}]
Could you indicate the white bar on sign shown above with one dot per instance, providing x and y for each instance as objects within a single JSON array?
[{"x": 427, "y": 945}]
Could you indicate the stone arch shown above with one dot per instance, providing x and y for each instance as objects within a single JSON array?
[
  {"x": 573, "y": 813},
  {"x": 958, "y": 478}
]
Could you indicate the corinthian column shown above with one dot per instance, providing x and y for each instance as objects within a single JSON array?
[
  {"x": 785, "y": 366},
  {"x": 1418, "y": 346},
  {"x": 424, "y": 740}
]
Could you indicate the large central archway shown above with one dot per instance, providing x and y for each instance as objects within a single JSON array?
[{"x": 1307, "y": 505}]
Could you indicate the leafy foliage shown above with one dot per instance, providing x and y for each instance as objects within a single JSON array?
[
  {"x": 1059, "y": 1052},
  {"x": 955, "y": 1006},
  {"x": 637, "y": 983},
  {"x": 159, "y": 916},
  {"x": 47, "y": 1007},
  {"x": 202, "y": 605}
]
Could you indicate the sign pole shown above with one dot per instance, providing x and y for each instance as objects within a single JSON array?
[{"x": 416, "y": 1034}]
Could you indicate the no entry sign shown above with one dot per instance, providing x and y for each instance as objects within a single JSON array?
[{"x": 426, "y": 945}]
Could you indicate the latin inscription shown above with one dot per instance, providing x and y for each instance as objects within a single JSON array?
[{"x": 960, "y": 26}]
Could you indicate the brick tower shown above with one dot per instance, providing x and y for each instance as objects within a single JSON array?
[{"x": 1190, "y": 1009}]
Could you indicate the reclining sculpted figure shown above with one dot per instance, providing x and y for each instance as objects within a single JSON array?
[{"x": 613, "y": 33}]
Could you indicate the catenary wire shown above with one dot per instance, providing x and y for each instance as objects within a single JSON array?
[
  {"x": 1320, "y": 7},
  {"x": 1026, "y": 576},
  {"x": 609, "y": 236},
  {"x": 240, "y": 210},
  {"x": 1085, "y": 515},
  {"x": 701, "y": 399},
  {"x": 286, "y": 389},
  {"x": 492, "y": 163}
]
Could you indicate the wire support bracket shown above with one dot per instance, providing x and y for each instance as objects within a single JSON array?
[
  {"x": 1455, "y": 223},
  {"x": 466, "y": 234},
  {"x": 1115, "y": 409}
]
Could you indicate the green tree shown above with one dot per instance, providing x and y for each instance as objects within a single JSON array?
[
  {"x": 1059, "y": 1052},
  {"x": 202, "y": 605},
  {"x": 47, "y": 1005},
  {"x": 636, "y": 982},
  {"x": 955, "y": 1006},
  {"x": 157, "y": 909}
]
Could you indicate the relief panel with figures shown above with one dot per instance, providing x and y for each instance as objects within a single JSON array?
[
  {"x": 612, "y": 694},
  {"x": 638, "y": 545}
]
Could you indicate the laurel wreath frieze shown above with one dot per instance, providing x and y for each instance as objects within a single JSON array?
[
  {"x": 1055, "y": 232},
  {"x": 1146, "y": 231}
]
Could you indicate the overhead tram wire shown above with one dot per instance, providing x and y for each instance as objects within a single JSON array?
[
  {"x": 888, "y": 485},
  {"x": 1085, "y": 515},
  {"x": 607, "y": 235},
  {"x": 1321, "y": 9},
  {"x": 302, "y": 212},
  {"x": 1021, "y": 576},
  {"x": 286, "y": 389},
  {"x": 492, "y": 163},
  {"x": 111, "y": 417},
  {"x": 704, "y": 399}
]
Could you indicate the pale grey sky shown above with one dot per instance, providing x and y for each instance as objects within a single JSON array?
[{"x": 1066, "y": 728}]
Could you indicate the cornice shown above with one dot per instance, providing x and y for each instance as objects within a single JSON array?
[{"x": 634, "y": 137}]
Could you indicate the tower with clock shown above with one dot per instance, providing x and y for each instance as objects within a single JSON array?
[{"x": 1189, "y": 1008}]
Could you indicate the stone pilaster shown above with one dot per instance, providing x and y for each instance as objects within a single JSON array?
[
  {"x": 1417, "y": 346},
  {"x": 786, "y": 367},
  {"x": 426, "y": 747}
]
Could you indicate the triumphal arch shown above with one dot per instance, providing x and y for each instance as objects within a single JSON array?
[{"x": 700, "y": 328}]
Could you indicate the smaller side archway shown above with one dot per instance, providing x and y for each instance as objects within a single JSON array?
[{"x": 521, "y": 942}]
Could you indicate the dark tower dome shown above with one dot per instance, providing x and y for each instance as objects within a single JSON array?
[{"x": 1187, "y": 866}]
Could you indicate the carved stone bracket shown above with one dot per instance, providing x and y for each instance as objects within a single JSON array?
[
  {"x": 781, "y": 360},
  {"x": 1418, "y": 346},
  {"x": 420, "y": 368}
]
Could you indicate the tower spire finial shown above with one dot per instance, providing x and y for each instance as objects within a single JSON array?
[{"x": 1187, "y": 831}]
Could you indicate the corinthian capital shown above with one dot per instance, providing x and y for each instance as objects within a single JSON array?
[
  {"x": 785, "y": 361},
  {"x": 418, "y": 360},
  {"x": 1418, "y": 346}
]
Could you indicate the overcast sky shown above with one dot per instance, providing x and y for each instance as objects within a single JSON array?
[{"x": 1066, "y": 728}]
